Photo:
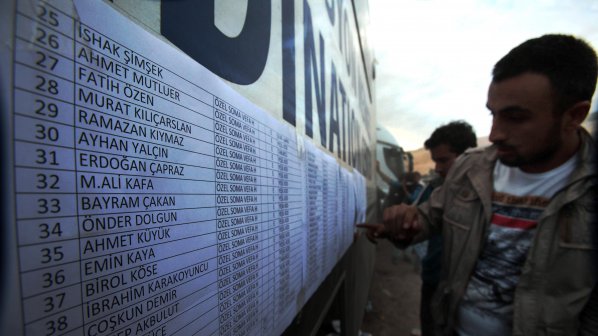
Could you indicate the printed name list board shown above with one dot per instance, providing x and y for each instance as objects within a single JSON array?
[{"x": 151, "y": 199}]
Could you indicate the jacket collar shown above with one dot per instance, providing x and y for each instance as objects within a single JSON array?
[
  {"x": 586, "y": 152},
  {"x": 588, "y": 157},
  {"x": 583, "y": 176}
]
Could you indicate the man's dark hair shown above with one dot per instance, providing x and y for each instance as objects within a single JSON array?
[
  {"x": 458, "y": 135},
  {"x": 569, "y": 63}
]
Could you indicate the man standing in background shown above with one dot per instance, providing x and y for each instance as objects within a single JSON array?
[{"x": 445, "y": 144}]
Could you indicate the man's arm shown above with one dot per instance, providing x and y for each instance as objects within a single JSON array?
[
  {"x": 430, "y": 213},
  {"x": 407, "y": 224},
  {"x": 400, "y": 225}
]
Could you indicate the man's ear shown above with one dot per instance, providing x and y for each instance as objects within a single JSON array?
[{"x": 575, "y": 115}]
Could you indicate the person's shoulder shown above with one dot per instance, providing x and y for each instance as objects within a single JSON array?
[
  {"x": 476, "y": 154},
  {"x": 476, "y": 151},
  {"x": 478, "y": 158}
]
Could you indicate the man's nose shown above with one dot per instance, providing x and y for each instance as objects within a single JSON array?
[{"x": 497, "y": 132}]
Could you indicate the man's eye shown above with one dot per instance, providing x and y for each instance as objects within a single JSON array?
[{"x": 515, "y": 117}]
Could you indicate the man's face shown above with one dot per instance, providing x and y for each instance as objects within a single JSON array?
[
  {"x": 524, "y": 127},
  {"x": 443, "y": 157}
]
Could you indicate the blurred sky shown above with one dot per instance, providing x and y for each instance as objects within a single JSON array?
[{"x": 434, "y": 57}]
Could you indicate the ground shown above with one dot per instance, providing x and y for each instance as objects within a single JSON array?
[{"x": 394, "y": 295}]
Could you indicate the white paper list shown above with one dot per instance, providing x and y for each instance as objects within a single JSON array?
[{"x": 152, "y": 199}]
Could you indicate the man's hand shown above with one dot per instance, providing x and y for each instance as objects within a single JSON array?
[
  {"x": 374, "y": 231},
  {"x": 400, "y": 225}
]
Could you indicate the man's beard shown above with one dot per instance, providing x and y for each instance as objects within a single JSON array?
[{"x": 553, "y": 143}]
